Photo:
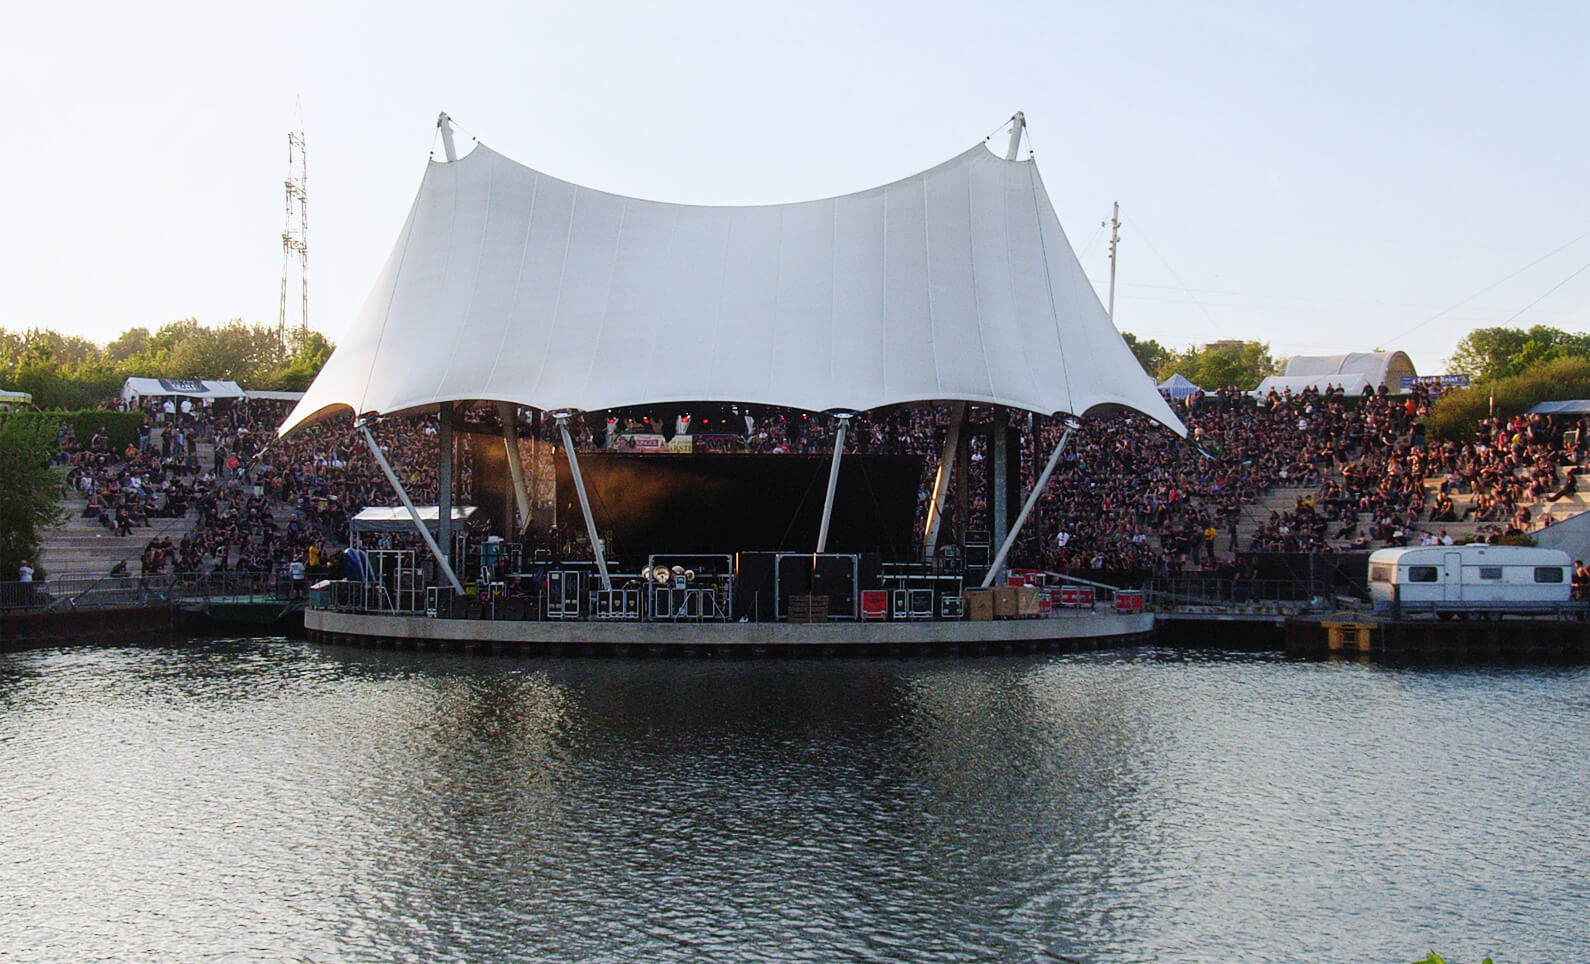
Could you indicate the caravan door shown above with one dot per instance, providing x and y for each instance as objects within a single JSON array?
[{"x": 1452, "y": 577}]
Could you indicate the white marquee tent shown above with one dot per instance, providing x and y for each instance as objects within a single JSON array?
[
  {"x": 1375, "y": 367},
  {"x": 385, "y": 518},
  {"x": 507, "y": 284},
  {"x": 134, "y": 388},
  {"x": 1352, "y": 384}
]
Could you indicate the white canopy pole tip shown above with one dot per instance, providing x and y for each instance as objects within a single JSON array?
[
  {"x": 445, "y": 125},
  {"x": 1018, "y": 123}
]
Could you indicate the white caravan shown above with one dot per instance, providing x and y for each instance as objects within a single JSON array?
[{"x": 1470, "y": 578}]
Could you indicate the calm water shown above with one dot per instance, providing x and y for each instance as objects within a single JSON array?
[{"x": 271, "y": 800}]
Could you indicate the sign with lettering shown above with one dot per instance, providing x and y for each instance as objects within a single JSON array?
[
  {"x": 639, "y": 442},
  {"x": 1444, "y": 381}
]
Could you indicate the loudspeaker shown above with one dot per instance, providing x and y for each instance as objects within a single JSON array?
[
  {"x": 753, "y": 586},
  {"x": 835, "y": 577}
]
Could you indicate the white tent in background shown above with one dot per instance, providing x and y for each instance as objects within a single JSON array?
[
  {"x": 510, "y": 285},
  {"x": 384, "y": 518},
  {"x": 136, "y": 388},
  {"x": 1376, "y": 367},
  {"x": 1351, "y": 384},
  {"x": 1179, "y": 386}
]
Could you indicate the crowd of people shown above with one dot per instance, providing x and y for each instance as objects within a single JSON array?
[{"x": 1128, "y": 495}]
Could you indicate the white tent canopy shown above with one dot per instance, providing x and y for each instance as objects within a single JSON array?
[
  {"x": 1179, "y": 386},
  {"x": 1351, "y": 384},
  {"x": 1377, "y": 367},
  {"x": 395, "y": 518},
  {"x": 510, "y": 285},
  {"x": 179, "y": 387}
]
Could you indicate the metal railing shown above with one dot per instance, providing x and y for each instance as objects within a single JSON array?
[
  {"x": 73, "y": 592},
  {"x": 1196, "y": 591}
]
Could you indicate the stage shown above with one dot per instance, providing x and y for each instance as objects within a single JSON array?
[{"x": 1082, "y": 629}]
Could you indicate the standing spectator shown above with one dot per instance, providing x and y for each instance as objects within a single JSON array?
[{"x": 25, "y": 577}]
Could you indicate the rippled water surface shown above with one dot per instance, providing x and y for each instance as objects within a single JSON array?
[{"x": 272, "y": 800}]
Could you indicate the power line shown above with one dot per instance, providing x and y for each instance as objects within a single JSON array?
[
  {"x": 1554, "y": 287},
  {"x": 1489, "y": 287}
]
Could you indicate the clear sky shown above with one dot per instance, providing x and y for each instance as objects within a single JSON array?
[{"x": 1324, "y": 176}]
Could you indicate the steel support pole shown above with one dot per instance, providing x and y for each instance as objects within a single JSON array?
[
  {"x": 999, "y": 475},
  {"x": 445, "y": 457},
  {"x": 833, "y": 482},
  {"x": 998, "y": 562},
  {"x": 403, "y": 496},
  {"x": 585, "y": 502},
  {"x": 941, "y": 481},
  {"x": 508, "y": 415}
]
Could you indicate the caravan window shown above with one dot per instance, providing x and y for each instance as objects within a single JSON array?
[
  {"x": 1380, "y": 572},
  {"x": 1548, "y": 574},
  {"x": 1490, "y": 572},
  {"x": 1421, "y": 573}
]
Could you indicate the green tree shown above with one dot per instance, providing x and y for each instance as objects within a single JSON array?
[
  {"x": 1150, "y": 353},
  {"x": 1492, "y": 353},
  {"x": 28, "y": 489},
  {"x": 1455, "y": 415},
  {"x": 129, "y": 344},
  {"x": 309, "y": 351},
  {"x": 69, "y": 372},
  {"x": 1240, "y": 364}
]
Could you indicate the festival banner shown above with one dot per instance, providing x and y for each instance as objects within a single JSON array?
[{"x": 640, "y": 442}]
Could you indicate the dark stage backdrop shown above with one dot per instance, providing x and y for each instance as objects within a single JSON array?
[{"x": 740, "y": 503}]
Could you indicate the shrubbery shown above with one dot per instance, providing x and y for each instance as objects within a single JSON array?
[
  {"x": 27, "y": 489},
  {"x": 121, "y": 428},
  {"x": 1454, "y": 415}
]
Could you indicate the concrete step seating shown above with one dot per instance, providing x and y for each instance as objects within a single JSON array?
[{"x": 81, "y": 546}]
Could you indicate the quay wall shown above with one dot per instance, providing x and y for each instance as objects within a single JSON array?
[
  {"x": 1081, "y": 630},
  {"x": 1521, "y": 640},
  {"x": 33, "y": 629}
]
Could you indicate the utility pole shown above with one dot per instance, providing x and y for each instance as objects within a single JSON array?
[
  {"x": 295, "y": 232},
  {"x": 1115, "y": 239}
]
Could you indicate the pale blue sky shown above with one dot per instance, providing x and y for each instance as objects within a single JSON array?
[{"x": 1326, "y": 176}]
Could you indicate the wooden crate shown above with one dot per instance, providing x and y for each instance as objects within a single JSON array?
[
  {"x": 1006, "y": 604},
  {"x": 808, "y": 609},
  {"x": 980, "y": 604},
  {"x": 1027, "y": 605}
]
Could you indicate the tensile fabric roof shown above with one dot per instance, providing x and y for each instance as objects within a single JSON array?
[{"x": 508, "y": 284}]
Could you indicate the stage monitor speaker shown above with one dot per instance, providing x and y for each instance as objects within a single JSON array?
[
  {"x": 835, "y": 577},
  {"x": 753, "y": 587}
]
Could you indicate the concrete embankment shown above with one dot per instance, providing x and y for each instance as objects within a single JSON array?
[
  {"x": 1520, "y": 640},
  {"x": 34, "y": 629}
]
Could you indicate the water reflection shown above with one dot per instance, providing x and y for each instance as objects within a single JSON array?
[{"x": 273, "y": 800}]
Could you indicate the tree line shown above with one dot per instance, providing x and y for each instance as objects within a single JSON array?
[
  {"x": 1486, "y": 355},
  {"x": 1242, "y": 364},
  {"x": 72, "y": 372}
]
